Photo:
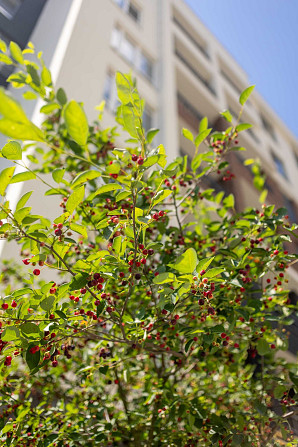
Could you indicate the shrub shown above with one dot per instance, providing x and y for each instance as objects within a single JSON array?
[{"x": 161, "y": 308}]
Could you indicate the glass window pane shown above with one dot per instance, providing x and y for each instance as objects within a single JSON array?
[
  {"x": 108, "y": 85},
  {"x": 134, "y": 12},
  {"x": 120, "y": 3},
  {"x": 127, "y": 49},
  {"x": 9, "y": 7},
  {"x": 146, "y": 67},
  {"x": 280, "y": 166},
  {"x": 147, "y": 118},
  {"x": 115, "y": 38}
]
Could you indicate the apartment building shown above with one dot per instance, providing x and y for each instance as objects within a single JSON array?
[{"x": 183, "y": 73}]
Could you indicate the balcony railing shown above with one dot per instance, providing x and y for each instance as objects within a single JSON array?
[
  {"x": 195, "y": 72},
  {"x": 191, "y": 38}
]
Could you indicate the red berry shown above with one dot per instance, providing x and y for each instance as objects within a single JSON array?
[
  {"x": 14, "y": 303},
  {"x": 54, "y": 363},
  {"x": 36, "y": 272},
  {"x": 143, "y": 261},
  {"x": 4, "y": 306},
  {"x": 140, "y": 161},
  {"x": 134, "y": 157},
  {"x": 26, "y": 261}
]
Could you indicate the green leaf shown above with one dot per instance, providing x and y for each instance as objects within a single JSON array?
[
  {"x": 5, "y": 179},
  {"x": 117, "y": 244},
  {"x": 75, "y": 199},
  {"x": 279, "y": 391},
  {"x": 246, "y": 94},
  {"x": 150, "y": 161},
  {"x": 187, "y": 134},
  {"x": 10, "y": 333},
  {"x": 34, "y": 74},
  {"x": 12, "y": 151},
  {"x": 20, "y": 131},
  {"x": 249, "y": 161},
  {"x": 130, "y": 120},
  {"x": 227, "y": 115},
  {"x": 203, "y": 124},
  {"x": 79, "y": 281},
  {"x": 126, "y": 90},
  {"x": 229, "y": 202},
  {"x": 164, "y": 278},
  {"x": 204, "y": 263},
  {"x": 263, "y": 347},
  {"x": 122, "y": 195},
  {"x": 61, "y": 248},
  {"x": 21, "y": 213},
  {"x": 30, "y": 329},
  {"x": 76, "y": 122},
  {"x": 196, "y": 162},
  {"x": 49, "y": 108},
  {"x": 5, "y": 59},
  {"x": 47, "y": 303},
  {"x": 23, "y": 176},
  {"x": 243, "y": 126},
  {"x": 186, "y": 263},
  {"x": 79, "y": 229},
  {"x": 23, "y": 200},
  {"x": 3, "y": 46},
  {"x": 32, "y": 360},
  {"x": 151, "y": 134},
  {"x": 11, "y": 109},
  {"x": 84, "y": 177},
  {"x": 61, "y": 314},
  {"x": 16, "y": 52},
  {"x": 202, "y": 136},
  {"x": 160, "y": 197},
  {"x": 58, "y": 174},
  {"x": 214, "y": 272},
  {"x": 29, "y": 95},
  {"x": 61, "y": 96},
  {"x": 46, "y": 76},
  {"x": 263, "y": 196},
  {"x": 108, "y": 188}
]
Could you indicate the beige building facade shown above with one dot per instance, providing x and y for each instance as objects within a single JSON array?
[{"x": 183, "y": 74}]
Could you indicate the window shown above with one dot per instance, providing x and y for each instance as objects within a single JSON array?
[
  {"x": 108, "y": 88},
  {"x": 133, "y": 12},
  {"x": 116, "y": 38},
  {"x": 280, "y": 167},
  {"x": 268, "y": 127},
  {"x": 127, "y": 49},
  {"x": 147, "y": 118},
  {"x": 146, "y": 67},
  {"x": 130, "y": 8},
  {"x": 120, "y": 3},
  {"x": 9, "y": 7},
  {"x": 132, "y": 53},
  {"x": 289, "y": 205}
]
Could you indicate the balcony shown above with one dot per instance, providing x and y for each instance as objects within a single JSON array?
[
  {"x": 195, "y": 72},
  {"x": 191, "y": 38}
]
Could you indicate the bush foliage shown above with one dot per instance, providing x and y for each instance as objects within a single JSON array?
[{"x": 161, "y": 309}]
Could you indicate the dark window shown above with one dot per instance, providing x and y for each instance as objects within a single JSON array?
[
  {"x": 147, "y": 118},
  {"x": 280, "y": 167},
  {"x": 268, "y": 127},
  {"x": 289, "y": 205},
  {"x": 146, "y": 67},
  {"x": 9, "y": 7},
  {"x": 133, "y": 12}
]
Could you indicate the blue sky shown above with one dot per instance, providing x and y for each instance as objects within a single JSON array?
[{"x": 262, "y": 35}]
